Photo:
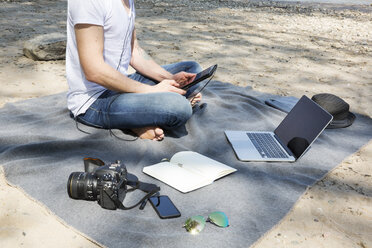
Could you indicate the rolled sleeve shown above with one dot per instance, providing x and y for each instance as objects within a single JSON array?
[{"x": 87, "y": 12}]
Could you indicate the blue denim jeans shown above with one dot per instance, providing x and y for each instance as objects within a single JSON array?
[{"x": 114, "y": 110}]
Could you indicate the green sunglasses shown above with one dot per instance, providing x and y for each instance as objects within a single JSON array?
[{"x": 196, "y": 224}]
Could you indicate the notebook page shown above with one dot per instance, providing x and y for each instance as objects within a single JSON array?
[
  {"x": 201, "y": 164},
  {"x": 176, "y": 176}
]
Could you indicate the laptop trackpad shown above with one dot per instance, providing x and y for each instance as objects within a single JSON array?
[{"x": 243, "y": 146}]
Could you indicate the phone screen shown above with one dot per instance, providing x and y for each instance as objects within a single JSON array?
[{"x": 164, "y": 207}]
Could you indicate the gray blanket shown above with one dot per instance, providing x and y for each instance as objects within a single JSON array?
[{"x": 40, "y": 146}]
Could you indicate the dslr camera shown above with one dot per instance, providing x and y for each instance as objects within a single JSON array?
[{"x": 105, "y": 183}]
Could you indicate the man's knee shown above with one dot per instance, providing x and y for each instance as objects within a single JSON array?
[
  {"x": 178, "y": 108},
  {"x": 193, "y": 67}
]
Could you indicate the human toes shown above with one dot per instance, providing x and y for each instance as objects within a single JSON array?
[
  {"x": 159, "y": 134},
  {"x": 197, "y": 98}
]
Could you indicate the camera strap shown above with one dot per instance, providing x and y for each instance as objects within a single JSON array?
[{"x": 149, "y": 188}]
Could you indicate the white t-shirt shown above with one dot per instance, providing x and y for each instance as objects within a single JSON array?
[{"x": 118, "y": 28}]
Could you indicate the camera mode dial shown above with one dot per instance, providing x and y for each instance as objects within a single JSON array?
[{"x": 107, "y": 177}]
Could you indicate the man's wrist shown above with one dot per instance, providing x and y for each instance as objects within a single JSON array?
[
  {"x": 166, "y": 75},
  {"x": 144, "y": 88}
]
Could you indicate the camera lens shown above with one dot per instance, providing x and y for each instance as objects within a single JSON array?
[{"x": 82, "y": 185}]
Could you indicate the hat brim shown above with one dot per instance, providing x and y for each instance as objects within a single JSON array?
[{"x": 342, "y": 123}]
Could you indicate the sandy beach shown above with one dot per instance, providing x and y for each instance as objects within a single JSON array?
[{"x": 281, "y": 48}]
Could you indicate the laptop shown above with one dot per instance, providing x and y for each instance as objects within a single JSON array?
[{"x": 290, "y": 140}]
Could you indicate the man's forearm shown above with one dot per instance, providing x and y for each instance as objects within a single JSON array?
[
  {"x": 111, "y": 79},
  {"x": 144, "y": 64}
]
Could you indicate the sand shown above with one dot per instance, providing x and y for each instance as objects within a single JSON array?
[{"x": 284, "y": 49}]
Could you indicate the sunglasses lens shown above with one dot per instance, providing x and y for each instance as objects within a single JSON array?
[
  {"x": 195, "y": 224},
  {"x": 219, "y": 218}
]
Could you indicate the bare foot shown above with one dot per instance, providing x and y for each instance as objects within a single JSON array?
[
  {"x": 152, "y": 133},
  {"x": 194, "y": 99}
]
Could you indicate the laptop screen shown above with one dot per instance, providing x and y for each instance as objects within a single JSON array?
[{"x": 302, "y": 126}]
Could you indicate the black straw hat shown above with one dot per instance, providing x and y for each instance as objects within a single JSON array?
[{"x": 337, "y": 107}]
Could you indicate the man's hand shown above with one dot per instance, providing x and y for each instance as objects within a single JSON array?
[
  {"x": 183, "y": 78},
  {"x": 167, "y": 85}
]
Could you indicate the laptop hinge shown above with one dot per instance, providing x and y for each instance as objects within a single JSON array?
[{"x": 286, "y": 148}]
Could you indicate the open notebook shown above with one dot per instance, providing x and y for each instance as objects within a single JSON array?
[{"x": 187, "y": 171}]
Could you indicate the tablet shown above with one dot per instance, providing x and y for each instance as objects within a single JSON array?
[{"x": 201, "y": 76}]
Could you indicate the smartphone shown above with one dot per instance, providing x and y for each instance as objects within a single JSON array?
[
  {"x": 201, "y": 76},
  {"x": 164, "y": 207}
]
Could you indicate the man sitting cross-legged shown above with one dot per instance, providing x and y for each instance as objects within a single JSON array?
[{"x": 101, "y": 44}]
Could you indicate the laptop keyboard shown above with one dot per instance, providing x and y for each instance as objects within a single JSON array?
[{"x": 266, "y": 145}]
